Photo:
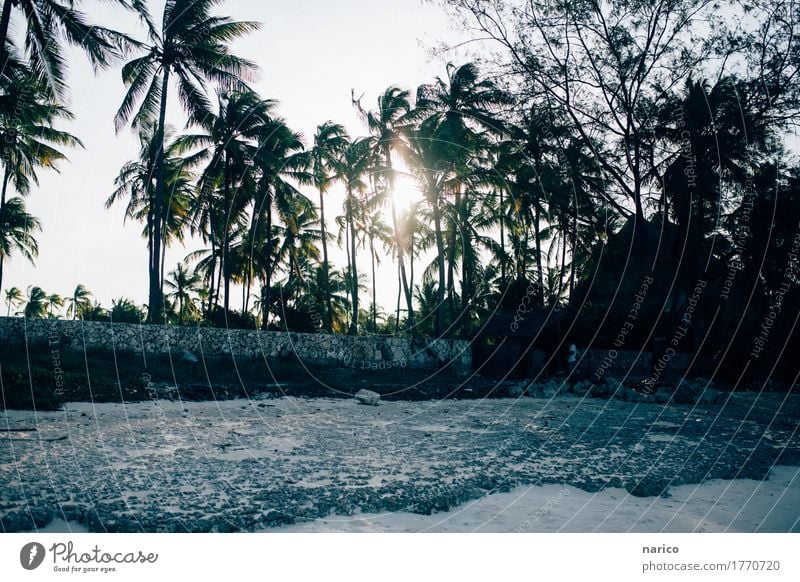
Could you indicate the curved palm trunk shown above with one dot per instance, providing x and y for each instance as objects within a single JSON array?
[
  {"x": 155, "y": 305},
  {"x": 398, "y": 237},
  {"x": 266, "y": 292},
  {"x": 399, "y": 295},
  {"x": 212, "y": 269},
  {"x": 325, "y": 265}
]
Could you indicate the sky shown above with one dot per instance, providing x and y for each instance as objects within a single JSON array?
[{"x": 311, "y": 55}]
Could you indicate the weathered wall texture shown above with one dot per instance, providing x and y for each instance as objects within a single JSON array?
[{"x": 374, "y": 352}]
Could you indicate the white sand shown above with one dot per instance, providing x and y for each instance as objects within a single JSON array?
[{"x": 740, "y": 505}]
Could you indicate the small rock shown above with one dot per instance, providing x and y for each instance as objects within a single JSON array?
[{"x": 368, "y": 397}]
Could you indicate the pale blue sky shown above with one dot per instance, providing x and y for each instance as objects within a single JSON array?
[{"x": 311, "y": 54}]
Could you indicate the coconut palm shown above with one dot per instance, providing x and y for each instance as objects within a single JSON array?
[
  {"x": 54, "y": 302},
  {"x": 279, "y": 162},
  {"x": 37, "y": 304},
  {"x": 183, "y": 285},
  {"x": 376, "y": 231},
  {"x": 464, "y": 114},
  {"x": 47, "y": 25},
  {"x": 28, "y": 140},
  {"x": 136, "y": 182},
  {"x": 429, "y": 166},
  {"x": 192, "y": 45},
  {"x": 387, "y": 125},
  {"x": 354, "y": 163},
  {"x": 14, "y": 298},
  {"x": 79, "y": 302},
  {"x": 16, "y": 231},
  {"x": 330, "y": 140},
  {"x": 226, "y": 148}
]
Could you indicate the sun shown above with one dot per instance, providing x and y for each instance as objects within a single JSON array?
[{"x": 406, "y": 192}]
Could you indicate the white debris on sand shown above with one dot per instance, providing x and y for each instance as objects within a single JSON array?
[{"x": 718, "y": 505}]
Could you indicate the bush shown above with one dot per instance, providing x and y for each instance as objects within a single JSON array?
[
  {"x": 125, "y": 311},
  {"x": 25, "y": 389}
]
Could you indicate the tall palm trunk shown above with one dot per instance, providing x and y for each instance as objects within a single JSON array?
[
  {"x": 466, "y": 262},
  {"x": 266, "y": 292},
  {"x": 574, "y": 249},
  {"x": 226, "y": 268},
  {"x": 353, "y": 265},
  {"x": 374, "y": 308},
  {"x": 502, "y": 244},
  {"x": 398, "y": 239},
  {"x": 155, "y": 305},
  {"x": 5, "y": 19},
  {"x": 399, "y": 295},
  {"x": 437, "y": 224},
  {"x": 537, "y": 234},
  {"x": 212, "y": 269},
  {"x": 411, "y": 260},
  {"x": 325, "y": 265},
  {"x": 562, "y": 272},
  {"x": 451, "y": 258},
  {"x": 6, "y": 175},
  {"x": 163, "y": 260}
]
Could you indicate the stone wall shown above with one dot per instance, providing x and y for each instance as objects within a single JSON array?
[{"x": 372, "y": 352}]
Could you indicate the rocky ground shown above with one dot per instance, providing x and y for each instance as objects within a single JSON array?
[{"x": 255, "y": 464}]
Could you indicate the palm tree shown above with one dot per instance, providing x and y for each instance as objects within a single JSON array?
[
  {"x": 355, "y": 162},
  {"x": 36, "y": 306},
  {"x": 463, "y": 112},
  {"x": 183, "y": 284},
  {"x": 136, "y": 182},
  {"x": 16, "y": 231},
  {"x": 329, "y": 143},
  {"x": 27, "y": 138},
  {"x": 13, "y": 298},
  {"x": 227, "y": 148},
  {"x": 376, "y": 231},
  {"x": 278, "y": 163},
  {"x": 79, "y": 302},
  {"x": 425, "y": 160},
  {"x": 192, "y": 45},
  {"x": 387, "y": 125},
  {"x": 54, "y": 301},
  {"x": 47, "y": 24}
]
